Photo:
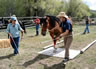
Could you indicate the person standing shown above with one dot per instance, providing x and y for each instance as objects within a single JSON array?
[
  {"x": 37, "y": 21},
  {"x": 87, "y": 20},
  {"x": 13, "y": 30},
  {"x": 67, "y": 33}
]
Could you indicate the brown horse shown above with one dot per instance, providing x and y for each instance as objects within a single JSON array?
[{"x": 52, "y": 23}]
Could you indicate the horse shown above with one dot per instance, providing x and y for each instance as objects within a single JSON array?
[
  {"x": 22, "y": 26},
  {"x": 52, "y": 23}
]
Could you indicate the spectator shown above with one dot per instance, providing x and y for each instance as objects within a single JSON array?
[
  {"x": 37, "y": 21},
  {"x": 87, "y": 20}
]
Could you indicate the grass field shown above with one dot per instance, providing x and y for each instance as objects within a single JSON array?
[{"x": 31, "y": 45}]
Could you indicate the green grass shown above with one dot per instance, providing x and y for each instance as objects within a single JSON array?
[{"x": 30, "y": 46}]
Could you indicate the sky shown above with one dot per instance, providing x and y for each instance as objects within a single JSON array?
[{"x": 91, "y": 4}]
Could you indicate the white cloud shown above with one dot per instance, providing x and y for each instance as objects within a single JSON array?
[{"x": 91, "y": 4}]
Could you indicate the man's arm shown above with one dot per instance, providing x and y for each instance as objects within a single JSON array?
[
  {"x": 56, "y": 26},
  {"x": 63, "y": 34}
]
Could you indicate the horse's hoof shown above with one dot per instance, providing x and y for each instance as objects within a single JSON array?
[{"x": 55, "y": 50}]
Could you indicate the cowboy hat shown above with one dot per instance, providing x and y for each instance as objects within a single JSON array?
[{"x": 62, "y": 14}]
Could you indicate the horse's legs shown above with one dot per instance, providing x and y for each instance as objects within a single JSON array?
[{"x": 54, "y": 40}]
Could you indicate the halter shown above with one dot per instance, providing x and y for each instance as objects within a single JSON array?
[
  {"x": 43, "y": 29},
  {"x": 52, "y": 35}
]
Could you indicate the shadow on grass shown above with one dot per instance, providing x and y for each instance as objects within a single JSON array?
[
  {"x": 32, "y": 36},
  {"x": 55, "y": 66},
  {"x": 36, "y": 59},
  {"x": 7, "y": 56}
]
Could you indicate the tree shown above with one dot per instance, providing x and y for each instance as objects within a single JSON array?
[
  {"x": 7, "y": 7},
  {"x": 93, "y": 14},
  {"x": 76, "y": 8}
]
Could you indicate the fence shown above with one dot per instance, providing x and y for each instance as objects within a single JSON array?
[{"x": 26, "y": 21}]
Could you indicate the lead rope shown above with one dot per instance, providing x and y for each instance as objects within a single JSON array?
[{"x": 14, "y": 43}]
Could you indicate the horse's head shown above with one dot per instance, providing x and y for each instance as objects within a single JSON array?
[
  {"x": 44, "y": 26},
  {"x": 48, "y": 23}
]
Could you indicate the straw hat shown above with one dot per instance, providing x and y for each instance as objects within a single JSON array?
[{"x": 62, "y": 14}]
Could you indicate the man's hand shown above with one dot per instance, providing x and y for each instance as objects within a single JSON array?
[
  {"x": 51, "y": 30},
  {"x": 59, "y": 37}
]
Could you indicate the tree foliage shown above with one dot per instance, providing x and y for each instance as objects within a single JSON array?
[{"x": 74, "y": 8}]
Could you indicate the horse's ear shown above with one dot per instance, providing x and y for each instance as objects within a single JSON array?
[{"x": 42, "y": 20}]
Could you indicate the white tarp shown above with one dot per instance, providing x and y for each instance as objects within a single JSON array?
[{"x": 60, "y": 52}]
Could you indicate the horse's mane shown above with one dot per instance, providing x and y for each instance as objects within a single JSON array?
[
  {"x": 53, "y": 20},
  {"x": 42, "y": 20}
]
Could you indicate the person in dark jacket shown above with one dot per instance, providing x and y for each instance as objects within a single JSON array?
[
  {"x": 87, "y": 20},
  {"x": 67, "y": 33}
]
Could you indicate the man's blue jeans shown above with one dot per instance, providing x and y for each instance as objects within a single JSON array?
[
  {"x": 87, "y": 28},
  {"x": 15, "y": 44},
  {"x": 37, "y": 29}
]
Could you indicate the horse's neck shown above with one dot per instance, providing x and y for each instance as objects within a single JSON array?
[
  {"x": 57, "y": 28},
  {"x": 50, "y": 28},
  {"x": 57, "y": 24}
]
